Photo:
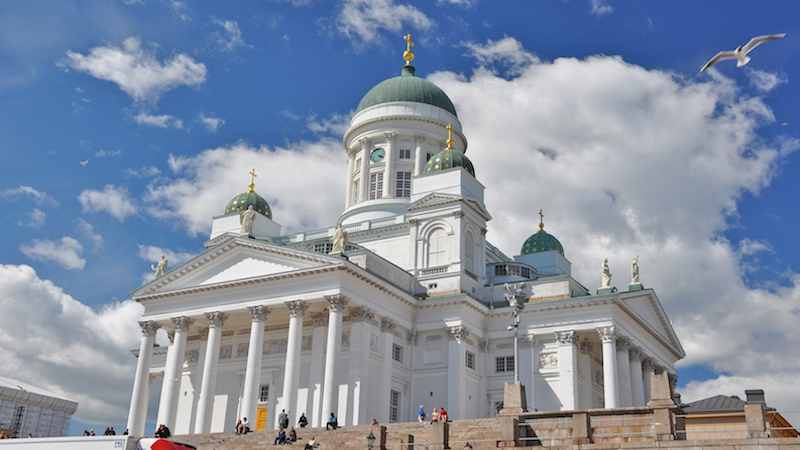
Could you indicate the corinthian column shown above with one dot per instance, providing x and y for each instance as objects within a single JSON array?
[
  {"x": 294, "y": 344},
  {"x": 252, "y": 376},
  {"x": 205, "y": 403},
  {"x": 168, "y": 406},
  {"x": 608, "y": 337},
  {"x": 138, "y": 412},
  {"x": 624, "y": 372},
  {"x": 567, "y": 369},
  {"x": 637, "y": 383},
  {"x": 336, "y": 304}
]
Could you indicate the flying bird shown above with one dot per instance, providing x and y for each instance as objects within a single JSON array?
[
  {"x": 784, "y": 124},
  {"x": 83, "y": 163},
  {"x": 741, "y": 52}
]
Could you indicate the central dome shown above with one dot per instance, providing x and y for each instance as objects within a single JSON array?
[{"x": 407, "y": 88}]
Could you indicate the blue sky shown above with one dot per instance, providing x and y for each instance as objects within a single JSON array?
[{"x": 591, "y": 110}]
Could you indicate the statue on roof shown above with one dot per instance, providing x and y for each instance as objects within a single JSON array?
[
  {"x": 339, "y": 239},
  {"x": 635, "y": 270},
  {"x": 161, "y": 268},
  {"x": 605, "y": 271},
  {"x": 247, "y": 218}
]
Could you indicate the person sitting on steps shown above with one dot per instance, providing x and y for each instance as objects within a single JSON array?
[
  {"x": 281, "y": 439},
  {"x": 333, "y": 423}
]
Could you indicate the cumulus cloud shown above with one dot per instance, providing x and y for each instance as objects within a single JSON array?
[
  {"x": 137, "y": 71},
  {"x": 144, "y": 172},
  {"x": 162, "y": 121},
  {"x": 87, "y": 230},
  {"x": 628, "y": 161},
  {"x": 335, "y": 125},
  {"x": 36, "y": 219},
  {"x": 65, "y": 252},
  {"x": 61, "y": 341},
  {"x": 363, "y": 20},
  {"x": 464, "y": 3},
  {"x": 302, "y": 182},
  {"x": 507, "y": 52},
  {"x": 112, "y": 199},
  {"x": 153, "y": 254},
  {"x": 765, "y": 81},
  {"x": 212, "y": 123},
  {"x": 228, "y": 40},
  {"x": 40, "y": 198},
  {"x": 103, "y": 153},
  {"x": 601, "y": 7}
]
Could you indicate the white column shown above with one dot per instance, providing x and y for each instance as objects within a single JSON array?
[
  {"x": 317, "y": 376},
  {"x": 585, "y": 367},
  {"x": 294, "y": 345},
  {"x": 608, "y": 337},
  {"x": 272, "y": 398},
  {"x": 363, "y": 190},
  {"x": 170, "y": 388},
  {"x": 389, "y": 177},
  {"x": 624, "y": 370},
  {"x": 252, "y": 377},
  {"x": 637, "y": 388},
  {"x": 567, "y": 369},
  {"x": 526, "y": 367},
  {"x": 456, "y": 372},
  {"x": 351, "y": 168},
  {"x": 648, "y": 364},
  {"x": 330, "y": 394},
  {"x": 385, "y": 380},
  {"x": 419, "y": 154},
  {"x": 205, "y": 403},
  {"x": 483, "y": 366},
  {"x": 358, "y": 366},
  {"x": 138, "y": 410}
]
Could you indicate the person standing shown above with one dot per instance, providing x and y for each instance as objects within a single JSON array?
[
  {"x": 421, "y": 414},
  {"x": 303, "y": 420},
  {"x": 283, "y": 419}
]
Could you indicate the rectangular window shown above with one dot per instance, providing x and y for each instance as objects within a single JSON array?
[
  {"x": 376, "y": 185},
  {"x": 356, "y": 185},
  {"x": 471, "y": 360},
  {"x": 405, "y": 154},
  {"x": 263, "y": 393},
  {"x": 504, "y": 364},
  {"x": 403, "y": 184},
  {"x": 500, "y": 270},
  {"x": 325, "y": 247},
  {"x": 358, "y": 165},
  {"x": 394, "y": 406},
  {"x": 428, "y": 158},
  {"x": 397, "y": 353}
]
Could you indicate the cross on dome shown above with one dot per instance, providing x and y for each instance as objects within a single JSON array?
[
  {"x": 408, "y": 55},
  {"x": 449, "y": 136},
  {"x": 252, "y": 178}
]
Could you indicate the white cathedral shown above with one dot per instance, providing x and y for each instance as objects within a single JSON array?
[{"x": 411, "y": 312}]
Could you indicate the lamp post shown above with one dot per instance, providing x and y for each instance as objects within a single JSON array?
[
  {"x": 516, "y": 300},
  {"x": 370, "y": 439}
]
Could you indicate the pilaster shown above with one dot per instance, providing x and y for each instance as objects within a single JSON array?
[
  {"x": 608, "y": 337},
  {"x": 624, "y": 372},
  {"x": 567, "y": 369}
]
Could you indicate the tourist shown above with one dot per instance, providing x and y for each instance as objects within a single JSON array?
[
  {"x": 126, "y": 432},
  {"x": 442, "y": 415},
  {"x": 303, "y": 421},
  {"x": 333, "y": 423},
  {"x": 292, "y": 436},
  {"x": 435, "y": 415},
  {"x": 85, "y": 432},
  {"x": 421, "y": 414},
  {"x": 311, "y": 444},
  {"x": 281, "y": 439},
  {"x": 374, "y": 422},
  {"x": 283, "y": 419},
  {"x": 467, "y": 446},
  {"x": 243, "y": 427},
  {"x": 112, "y": 432}
]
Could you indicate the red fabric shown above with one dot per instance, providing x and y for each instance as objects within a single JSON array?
[{"x": 163, "y": 444}]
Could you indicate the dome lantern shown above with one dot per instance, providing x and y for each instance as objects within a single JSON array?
[
  {"x": 541, "y": 241},
  {"x": 448, "y": 158},
  {"x": 242, "y": 201}
]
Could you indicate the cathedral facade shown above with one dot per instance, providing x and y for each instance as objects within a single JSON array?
[{"x": 402, "y": 303}]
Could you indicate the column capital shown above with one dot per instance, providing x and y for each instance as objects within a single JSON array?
[
  {"x": 182, "y": 323},
  {"x": 458, "y": 332},
  {"x": 607, "y": 334},
  {"x": 259, "y": 313},
  {"x": 566, "y": 337},
  {"x": 216, "y": 318},
  {"x": 390, "y": 136},
  {"x": 623, "y": 344},
  {"x": 364, "y": 144},
  {"x": 658, "y": 369},
  {"x": 203, "y": 332},
  {"x": 419, "y": 139},
  {"x": 361, "y": 314},
  {"x": 458, "y": 214},
  {"x": 171, "y": 336},
  {"x": 296, "y": 307},
  {"x": 336, "y": 302},
  {"x": 648, "y": 363},
  {"x": 319, "y": 319},
  {"x": 149, "y": 327},
  {"x": 388, "y": 325},
  {"x": 526, "y": 340},
  {"x": 586, "y": 347},
  {"x": 635, "y": 352}
]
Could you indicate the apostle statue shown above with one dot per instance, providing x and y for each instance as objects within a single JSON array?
[
  {"x": 606, "y": 273},
  {"x": 339, "y": 239},
  {"x": 635, "y": 270},
  {"x": 161, "y": 268},
  {"x": 246, "y": 219}
]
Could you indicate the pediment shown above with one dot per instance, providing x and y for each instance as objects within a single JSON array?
[
  {"x": 648, "y": 310},
  {"x": 438, "y": 199},
  {"x": 233, "y": 260}
]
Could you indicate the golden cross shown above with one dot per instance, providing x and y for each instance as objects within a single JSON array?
[
  {"x": 449, "y": 135},
  {"x": 408, "y": 55},
  {"x": 541, "y": 220},
  {"x": 408, "y": 39},
  {"x": 252, "y": 179}
]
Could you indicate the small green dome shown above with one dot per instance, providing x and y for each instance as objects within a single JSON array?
[
  {"x": 242, "y": 201},
  {"x": 541, "y": 242},
  {"x": 407, "y": 88},
  {"x": 446, "y": 159}
]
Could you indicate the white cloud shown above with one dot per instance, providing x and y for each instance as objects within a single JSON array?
[
  {"x": 103, "y": 153},
  {"x": 87, "y": 230},
  {"x": 162, "y": 121},
  {"x": 601, "y": 7},
  {"x": 61, "y": 341},
  {"x": 212, "y": 123},
  {"x": 144, "y": 172},
  {"x": 65, "y": 252},
  {"x": 229, "y": 40},
  {"x": 40, "y": 198},
  {"x": 363, "y": 20},
  {"x": 464, "y": 3},
  {"x": 303, "y": 184},
  {"x": 36, "y": 219},
  {"x": 507, "y": 52},
  {"x": 136, "y": 71},
  {"x": 765, "y": 81},
  {"x": 335, "y": 125},
  {"x": 112, "y": 199},
  {"x": 153, "y": 254}
]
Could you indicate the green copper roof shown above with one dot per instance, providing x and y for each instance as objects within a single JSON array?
[
  {"x": 407, "y": 88},
  {"x": 541, "y": 242},
  {"x": 446, "y": 159},
  {"x": 242, "y": 201}
]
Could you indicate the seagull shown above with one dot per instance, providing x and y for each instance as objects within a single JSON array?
[
  {"x": 741, "y": 52},
  {"x": 83, "y": 163},
  {"x": 784, "y": 124}
]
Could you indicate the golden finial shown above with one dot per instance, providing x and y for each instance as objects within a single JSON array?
[
  {"x": 449, "y": 136},
  {"x": 541, "y": 222},
  {"x": 408, "y": 55},
  {"x": 252, "y": 178}
]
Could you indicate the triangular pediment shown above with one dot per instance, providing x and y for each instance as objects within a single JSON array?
[
  {"x": 234, "y": 260},
  {"x": 436, "y": 200},
  {"x": 647, "y": 309}
]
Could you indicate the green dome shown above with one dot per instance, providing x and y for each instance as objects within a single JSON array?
[
  {"x": 446, "y": 159},
  {"x": 541, "y": 242},
  {"x": 242, "y": 201},
  {"x": 407, "y": 88}
]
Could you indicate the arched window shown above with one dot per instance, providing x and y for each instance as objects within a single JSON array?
[
  {"x": 469, "y": 253},
  {"x": 437, "y": 248}
]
